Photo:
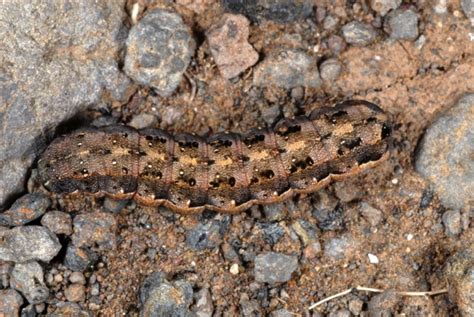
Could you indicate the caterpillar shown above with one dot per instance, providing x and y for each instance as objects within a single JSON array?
[{"x": 225, "y": 172}]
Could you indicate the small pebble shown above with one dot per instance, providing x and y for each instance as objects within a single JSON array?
[
  {"x": 402, "y": 24},
  {"x": 336, "y": 44},
  {"x": 355, "y": 306},
  {"x": 141, "y": 121},
  {"x": 10, "y": 302},
  {"x": 281, "y": 313},
  {"x": 228, "y": 41},
  {"x": 338, "y": 248},
  {"x": 95, "y": 228},
  {"x": 25, "y": 209},
  {"x": 274, "y": 267},
  {"x": 79, "y": 259},
  {"x": 272, "y": 232},
  {"x": 207, "y": 235},
  {"x": 384, "y": 6},
  {"x": 203, "y": 306},
  {"x": 330, "y": 69},
  {"x": 452, "y": 222},
  {"x": 58, "y": 222},
  {"x": 459, "y": 271},
  {"x": 77, "y": 278},
  {"x": 468, "y": 9},
  {"x": 234, "y": 269},
  {"x": 159, "y": 49},
  {"x": 28, "y": 278},
  {"x": 22, "y": 244},
  {"x": 371, "y": 214},
  {"x": 373, "y": 258},
  {"x": 358, "y": 33},
  {"x": 69, "y": 309},
  {"x": 75, "y": 293},
  {"x": 287, "y": 69}
]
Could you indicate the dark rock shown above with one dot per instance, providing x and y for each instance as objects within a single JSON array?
[
  {"x": 207, "y": 235},
  {"x": 56, "y": 59},
  {"x": 203, "y": 306},
  {"x": 95, "y": 229},
  {"x": 287, "y": 69},
  {"x": 25, "y": 209},
  {"x": 402, "y": 24},
  {"x": 274, "y": 267},
  {"x": 58, "y": 222},
  {"x": 28, "y": 311},
  {"x": 459, "y": 271},
  {"x": 69, "y": 309},
  {"x": 282, "y": 11},
  {"x": 10, "y": 302},
  {"x": 445, "y": 155},
  {"x": 371, "y": 214},
  {"x": 452, "y": 222},
  {"x": 383, "y": 304},
  {"x": 228, "y": 41},
  {"x": 22, "y": 244},
  {"x": 330, "y": 69},
  {"x": 5, "y": 271},
  {"x": 383, "y": 6},
  {"x": 79, "y": 259},
  {"x": 75, "y": 293},
  {"x": 328, "y": 213},
  {"x": 338, "y": 248},
  {"x": 159, "y": 49},
  {"x": 28, "y": 278},
  {"x": 272, "y": 232},
  {"x": 359, "y": 33},
  {"x": 159, "y": 297},
  {"x": 468, "y": 9}
]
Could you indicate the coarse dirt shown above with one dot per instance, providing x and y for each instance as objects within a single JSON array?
[{"x": 412, "y": 81}]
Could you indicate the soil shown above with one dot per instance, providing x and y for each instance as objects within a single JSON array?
[{"x": 412, "y": 81}]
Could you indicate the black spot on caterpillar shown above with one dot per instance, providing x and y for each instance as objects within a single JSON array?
[{"x": 226, "y": 172}]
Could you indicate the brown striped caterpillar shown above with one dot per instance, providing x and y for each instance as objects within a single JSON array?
[{"x": 225, "y": 172}]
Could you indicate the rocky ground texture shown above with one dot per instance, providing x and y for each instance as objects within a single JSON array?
[{"x": 207, "y": 66}]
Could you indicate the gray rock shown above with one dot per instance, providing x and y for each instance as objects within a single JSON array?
[
  {"x": 95, "y": 229},
  {"x": 207, "y": 235},
  {"x": 338, "y": 248},
  {"x": 340, "y": 313},
  {"x": 58, "y": 222},
  {"x": 383, "y": 304},
  {"x": 249, "y": 307},
  {"x": 371, "y": 214},
  {"x": 459, "y": 271},
  {"x": 336, "y": 44},
  {"x": 10, "y": 302},
  {"x": 159, "y": 297},
  {"x": 203, "y": 306},
  {"x": 330, "y": 22},
  {"x": 330, "y": 69},
  {"x": 228, "y": 41},
  {"x": 22, "y": 244},
  {"x": 56, "y": 59},
  {"x": 25, "y": 209},
  {"x": 28, "y": 278},
  {"x": 282, "y": 11},
  {"x": 77, "y": 278},
  {"x": 274, "y": 267},
  {"x": 402, "y": 24},
  {"x": 468, "y": 9},
  {"x": 159, "y": 49},
  {"x": 79, "y": 259},
  {"x": 383, "y": 6},
  {"x": 355, "y": 306},
  {"x": 142, "y": 120},
  {"x": 445, "y": 155},
  {"x": 452, "y": 222},
  {"x": 359, "y": 33},
  {"x": 281, "y": 313},
  {"x": 272, "y": 232},
  {"x": 28, "y": 311},
  {"x": 287, "y": 69}
]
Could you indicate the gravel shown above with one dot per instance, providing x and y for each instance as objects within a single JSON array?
[
  {"x": 159, "y": 297},
  {"x": 383, "y": 6},
  {"x": 330, "y": 69},
  {"x": 359, "y": 33},
  {"x": 95, "y": 229},
  {"x": 207, "y": 235},
  {"x": 159, "y": 49},
  {"x": 287, "y": 69},
  {"x": 28, "y": 278},
  {"x": 56, "y": 59},
  {"x": 58, "y": 222},
  {"x": 203, "y": 306},
  {"x": 79, "y": 259},
  {"x": 452, "y": 222},
  {"x": 338, "y": 248},
  {"x": 25, "y": 209},
  {"x": 10, "y": 302},
  {"x": 282, "y": 11},
  {"x": 75, "y": 293},
  {"x": 445, "y": 155},
  {"x": 371, "y": 214},
  {"x": 402, "y": 24},
  {"x": 22, "y": 244},
  {"x": 459, "y": 271},
  {"x": 274, "y": 267},
  {"x": 228, "y": 42}
]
